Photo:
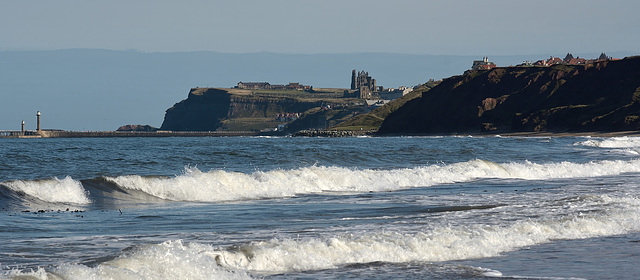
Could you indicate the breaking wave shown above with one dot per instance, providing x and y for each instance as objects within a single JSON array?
[
  {"x": 436, "y": 245},
  {"x": 218, "y": 185},
  {"x": 54, "y": 190},
  {"x": 168, "y": 260},
  {"x": 176, "y": 259},
  {"x": 616, "y": 142}
]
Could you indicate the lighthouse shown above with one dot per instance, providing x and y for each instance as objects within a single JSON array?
[{"x": 38, "y": 115}]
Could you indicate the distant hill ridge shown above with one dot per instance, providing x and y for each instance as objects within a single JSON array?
[{"x": 603, "y": 96}]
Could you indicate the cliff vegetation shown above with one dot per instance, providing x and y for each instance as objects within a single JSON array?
[{"x": 371, "y": 121}]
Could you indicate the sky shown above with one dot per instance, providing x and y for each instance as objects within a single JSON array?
[
  {"x": 79, "y": 61},
  {"x": 440, "y": 27}
]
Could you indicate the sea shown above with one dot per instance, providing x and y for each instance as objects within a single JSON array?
[{"x": 454, "y": 207}]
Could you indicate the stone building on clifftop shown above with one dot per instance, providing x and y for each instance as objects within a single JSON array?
[
  {"x": 483, "y": 64},
  {"x": 363, "y": 84},
  {"x": 266, "y": 85}
]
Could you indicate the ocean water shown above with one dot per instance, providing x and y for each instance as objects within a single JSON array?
[{"x": 320, "y": 208}]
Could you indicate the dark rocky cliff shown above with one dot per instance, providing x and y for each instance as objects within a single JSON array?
[
  {"x": 604, "y": 96},
  {"x": 202, "y": 110},
  {"x": 205, "y": 109}
]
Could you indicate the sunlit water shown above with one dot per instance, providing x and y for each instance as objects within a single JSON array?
[{"x": 320, "y": 208}]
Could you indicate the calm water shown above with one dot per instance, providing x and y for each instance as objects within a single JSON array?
[{"x": 316, "y": 208}]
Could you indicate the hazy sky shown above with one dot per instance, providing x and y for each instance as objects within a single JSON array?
[
  {"x": 459, "y": 27},
  {"x": 81, "y": 89}
]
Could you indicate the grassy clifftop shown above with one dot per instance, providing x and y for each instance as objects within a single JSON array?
[{"x": 371, "y": 121}]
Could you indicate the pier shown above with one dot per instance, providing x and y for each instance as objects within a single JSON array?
[
  {"x": 104, "y": 134},
  {"x": 18, "y": 134},
  {"x": 51, "y": 133}
]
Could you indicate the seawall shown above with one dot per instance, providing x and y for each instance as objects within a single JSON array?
[{"x": 99, "y": 134}]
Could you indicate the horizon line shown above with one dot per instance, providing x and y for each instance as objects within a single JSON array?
[{"x": 630, "y": 53}]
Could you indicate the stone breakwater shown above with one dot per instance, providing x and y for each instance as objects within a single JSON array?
[
  {"x": 333, "y": 133},
  {"x": 99, "y": 134}
]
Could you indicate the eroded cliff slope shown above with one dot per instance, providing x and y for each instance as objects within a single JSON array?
[{"x": 604, "y": 96}]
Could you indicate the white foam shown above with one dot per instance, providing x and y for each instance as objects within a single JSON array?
[
  {"x": 40, "y": 273},
  {"x": 180, "y": 260},
  {"x": 490, "y": 272},
  {"x": 436, "y": 245},
  {"x": 615, "y": 142},
  {"x": 218, "y": 185},
  {"x": 168, "y": 260},
  {"x": 54, "y": 190},
  {"x": 560, "y": 170}
]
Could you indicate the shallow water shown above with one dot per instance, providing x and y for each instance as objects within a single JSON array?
[{"x": 320, "y": 208}]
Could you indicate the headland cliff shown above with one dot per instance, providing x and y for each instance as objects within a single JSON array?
[
  {"x": 599, "y": 97},
  {"x": 210, "y": 109}
]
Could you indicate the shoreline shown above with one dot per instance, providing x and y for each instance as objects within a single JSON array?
[
  {"x": 303, "y": 133},
  {"x": 349, "y": 133},
  {"x": 569, "y": 134},
  {"x": 528, "y": 134}
]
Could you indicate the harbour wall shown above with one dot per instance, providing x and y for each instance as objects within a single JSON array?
[{"x": 98, "y": 134}]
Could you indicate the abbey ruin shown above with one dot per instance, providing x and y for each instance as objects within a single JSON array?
[{"x": 363, "y": 84}]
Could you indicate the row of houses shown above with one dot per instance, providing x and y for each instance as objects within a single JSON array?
[
  {"x": 266, "y": 85},
  {"x": 569, "y": 59},
  {"x": 287, "y": 117}
]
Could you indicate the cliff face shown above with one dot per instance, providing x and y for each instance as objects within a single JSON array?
[
  {"x": 604, "y": 96},
  {"x": 202, "y": 110},
  {"x": 206, "y": 108}
]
